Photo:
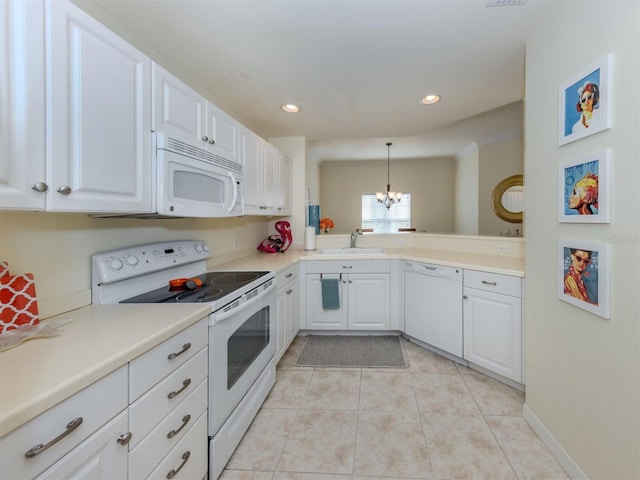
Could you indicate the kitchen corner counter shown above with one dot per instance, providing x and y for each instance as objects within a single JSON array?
[
  {"x": 501, "y": 264},
  {"x": 40, "y": 373}
]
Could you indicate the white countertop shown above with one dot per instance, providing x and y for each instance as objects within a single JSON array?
[
  {"x": 40, "y": 373},
  {"x": 502, "y": 264}
]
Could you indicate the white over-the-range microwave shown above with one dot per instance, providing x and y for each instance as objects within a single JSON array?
[{"x": 192, "y": 182}]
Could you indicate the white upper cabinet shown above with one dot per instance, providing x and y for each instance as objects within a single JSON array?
[
  {"x": 223, "y": 133},
  {"x": 98, "y": 123},
  {"x": 179, "y": 109},
  {"x": 261, "y": 174},
  {"x": 22, "y": 105}
]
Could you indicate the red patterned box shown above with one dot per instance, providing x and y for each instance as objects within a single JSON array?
[{"x": 18, "y": 304}]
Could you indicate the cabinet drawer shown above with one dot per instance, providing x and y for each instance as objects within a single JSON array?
[
  {"x": 493, "y": 282},
  {"x": 95, "y": 405},
  {"x": 287, "y": 275},
  {"x": 349, "y": 266},
  {"x": 189, "y": 457},
  {"x": 152, "y": 366},
  {"x": 155, "y": 405},
  {"x": 153, "y": 448}
]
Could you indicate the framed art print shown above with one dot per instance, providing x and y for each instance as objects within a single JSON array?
[
  {"x": 583, "y": 275},
  {"x": 583, "y": 189},
  {"x": 585, "y": 103}
]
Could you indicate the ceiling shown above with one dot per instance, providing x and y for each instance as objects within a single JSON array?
[{"x": 356, "y": 68}]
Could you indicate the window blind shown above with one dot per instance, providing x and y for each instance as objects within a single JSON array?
[{"x": 375, "y": 215}]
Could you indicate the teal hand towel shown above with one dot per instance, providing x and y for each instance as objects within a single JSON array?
[{"x": 330, "y": 293}]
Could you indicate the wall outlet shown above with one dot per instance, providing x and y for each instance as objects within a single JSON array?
[
  {"x": 400, "y": 241},
  {"x": 504, "y": 248}
]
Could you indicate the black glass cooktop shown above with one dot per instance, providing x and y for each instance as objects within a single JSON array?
[{"x": 215, "y": 285}]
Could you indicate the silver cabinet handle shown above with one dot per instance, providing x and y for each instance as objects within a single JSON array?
[
  {"x": 288, "y": 275},
  {"x": 40, "y": 187},
  {"x": 64, "y": 189},
  {"x": 38, "y": 449},
  {"x": 185, "y": 420},
  {"x": 493, "y": 284},
  {"x": 465, "y": 296},
  {"x": 212, "y": 141},
  {"x": 347, "y": 266},
  {"x": 125, "y": 438},
  {"x": 289, "y": 291},
  {"x": 185, "y": 457},
  {"x": 185, "y": 347},
  {"x": 205, "y": 139},
  {"x": 427, "y": 267},
  {"x": 175, "y": 393}
]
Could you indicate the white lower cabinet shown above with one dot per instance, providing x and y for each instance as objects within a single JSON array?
[
  {"x": 121, "y": 426},
  {"x": 492, "y": 313},
  {"x": 100, "y": 456},
  {"x": 287, "y": 306},
  {"x": 364, "y": 295}
]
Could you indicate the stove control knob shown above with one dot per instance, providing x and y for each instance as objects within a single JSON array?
[
  {"x": 205, "y": 247},
  {"x": 116, "y": 264},
  {"x": 198, "y": 248},
  {"x": 132, "y": 260}
]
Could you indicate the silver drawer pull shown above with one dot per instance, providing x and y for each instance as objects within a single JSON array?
[
  {"x": 185, "y": 347},
  {"x": 185, "y": 420},
  {"x": 175, "y": 393},
  {"x": 185, "y": 457},
  {"x": 347, "y": 266},
  {"x": 38, "y": 449},
  {"x": 493, "y": 284},
  {"x": 427, "y": 267},
  {"x": 288, "y": 275},
  {"x": 125, "y": 438}
]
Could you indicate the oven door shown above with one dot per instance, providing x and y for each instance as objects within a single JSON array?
[
  {"x": 188, "y": 187},
  {"x": 241, "y": 344}
]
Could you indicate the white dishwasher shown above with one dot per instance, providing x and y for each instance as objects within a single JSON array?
[{"x": 433, "y": 305}]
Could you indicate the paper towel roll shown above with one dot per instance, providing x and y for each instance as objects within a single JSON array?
[{"x": 310, "y": 238}]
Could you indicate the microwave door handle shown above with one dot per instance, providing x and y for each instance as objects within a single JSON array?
[{"x": 234, "y": 183}]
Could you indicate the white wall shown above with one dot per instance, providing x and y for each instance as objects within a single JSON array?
[
  {"x": 466, "y": 191},
  {"x": 583, "y": 372},
  {"x": 498, "y": 159},
  {"x": 430, "y": 181},
  {"x": 57, "y": 247}
]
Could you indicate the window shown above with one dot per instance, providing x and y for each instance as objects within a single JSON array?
[{"x": 375, "y": 215}]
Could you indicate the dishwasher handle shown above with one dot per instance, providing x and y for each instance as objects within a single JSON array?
[{"x": 450, "y": 273}]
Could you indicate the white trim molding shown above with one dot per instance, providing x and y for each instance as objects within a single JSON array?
[{"x": 560, "y": 454}]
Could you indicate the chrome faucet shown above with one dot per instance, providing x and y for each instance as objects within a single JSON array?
[{"x": 354, "y": 237}]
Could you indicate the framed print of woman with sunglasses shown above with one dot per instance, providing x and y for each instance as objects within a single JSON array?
[
  {"x": 584, "y": 275},
  {"x": 584, "y": 103}
]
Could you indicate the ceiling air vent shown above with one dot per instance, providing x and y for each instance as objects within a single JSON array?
[{"x": 505, "y": 3}]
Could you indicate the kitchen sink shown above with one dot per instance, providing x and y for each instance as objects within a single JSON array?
[{"x": 351, "y": 251}]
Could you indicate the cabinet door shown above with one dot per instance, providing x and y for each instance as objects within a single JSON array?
[
  {"x": 251, "y": 152},
  {"x": 22, "y": 105},
  {"x": 493, "y": 332},
  {"x": 293, "y": 318},
  {"x": 99, "y": 116},
  {"x": 369, "y": 295},
  {"x": 285, "y": 179},
  {"x": 98, "y": 457},
  {"x": 269, "y": 178},
  {"x": 223, "y": 134},
  {"x": 317, "y": 318},
  {"x": 177, "y": 108},
  {"x": 282, "y": 332}
]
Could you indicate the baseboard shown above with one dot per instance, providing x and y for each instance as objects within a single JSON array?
[{"x": 560, "y": 454}]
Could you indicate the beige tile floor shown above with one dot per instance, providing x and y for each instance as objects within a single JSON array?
[{"x": 434, "y": 419}]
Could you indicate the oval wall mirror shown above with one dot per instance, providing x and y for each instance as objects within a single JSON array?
[{"x": 507, "y": 199}]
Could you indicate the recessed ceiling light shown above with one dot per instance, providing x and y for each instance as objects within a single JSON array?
[
  {"x": 430, "y": 99},
  {"x": 290, "y": 108}
]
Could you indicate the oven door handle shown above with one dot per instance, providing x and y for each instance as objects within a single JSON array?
[{"x": 221, "y": 315}]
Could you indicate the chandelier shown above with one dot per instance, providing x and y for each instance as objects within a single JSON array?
[{"x": 388, "y": 198}]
